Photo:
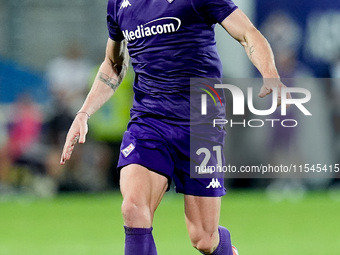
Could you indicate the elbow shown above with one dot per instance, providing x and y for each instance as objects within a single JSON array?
[
  {"x": 118, "y": 65},
  {"x": 122, "y": 66}
]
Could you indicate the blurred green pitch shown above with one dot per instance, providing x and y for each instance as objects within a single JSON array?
[{"x": 92, "y": 224}]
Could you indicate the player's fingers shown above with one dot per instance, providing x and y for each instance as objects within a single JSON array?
[
  {"x": 82, "y": 136},
  {"x": 62, "y": 159},
  {"x": 65, "y": 155},
  {"x": 68, "y": 148},
  {"x": 76, "y": 134},
  {"x": 264, "y": 91},
  {"x": 278, "y": 95}
]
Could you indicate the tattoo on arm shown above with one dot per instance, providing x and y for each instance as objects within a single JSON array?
[
  {"x": 111, "y": 82},
  {"x": 251, "y": 51}
]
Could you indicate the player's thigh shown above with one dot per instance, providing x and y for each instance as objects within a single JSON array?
[
  {"x": 141, "y": 188},
  {"x": 202, "y": 215}
]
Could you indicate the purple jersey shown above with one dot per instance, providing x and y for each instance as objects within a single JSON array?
[{"x": 169, "y": 42}]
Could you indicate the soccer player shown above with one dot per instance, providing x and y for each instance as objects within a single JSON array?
[{"x": 169, "y": 42}]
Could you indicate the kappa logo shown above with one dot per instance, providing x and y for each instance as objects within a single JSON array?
[
  {"x": 214, "y": 184},
  {"x": 128, "y": 150},
  {"x": 125, "y": 4}
]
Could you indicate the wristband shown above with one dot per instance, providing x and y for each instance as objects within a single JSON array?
[{"x": 88, "y": 115}]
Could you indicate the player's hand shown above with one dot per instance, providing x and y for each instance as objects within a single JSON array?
[
  {"x": 269, "y": 85},
  {"x": 77, "y": 133}
]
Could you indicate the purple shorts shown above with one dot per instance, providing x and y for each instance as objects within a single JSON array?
[{"x": 167, "y": 149}]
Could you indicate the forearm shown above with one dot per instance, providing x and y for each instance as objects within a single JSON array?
[
  {"x": 260, "y": 53},
  {"x": 104, "y": 86},
  {"x": 110, "y": 74}
]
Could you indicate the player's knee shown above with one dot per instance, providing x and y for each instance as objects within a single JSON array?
[
  {"x": 205, "y": 241},
  {"x": 136, "y": 214}
]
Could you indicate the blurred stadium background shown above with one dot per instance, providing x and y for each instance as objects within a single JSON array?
[{"x": 49, "y": 53}]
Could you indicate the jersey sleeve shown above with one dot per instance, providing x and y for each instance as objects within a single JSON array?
[
  {"x": 215, "y": 11},
  {"x": 114, "y": 31}
]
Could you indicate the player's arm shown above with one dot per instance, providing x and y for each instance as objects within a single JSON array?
[
  {"x": 257, "y": 48},
  {"x": 110, "y": 74}
]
